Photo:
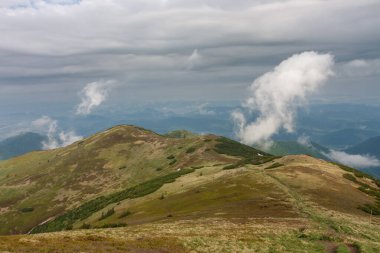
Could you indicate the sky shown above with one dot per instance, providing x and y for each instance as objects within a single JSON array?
[
  {"x": 163, "y": 50},
  {"x": 269, "y": 59}
]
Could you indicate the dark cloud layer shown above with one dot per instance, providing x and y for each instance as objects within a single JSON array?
[{"x": 52, "y": 49}]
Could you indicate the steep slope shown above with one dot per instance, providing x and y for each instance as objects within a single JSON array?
[
  {"x": 20, "y": 144},
  {"x": 40, "y": 185}
]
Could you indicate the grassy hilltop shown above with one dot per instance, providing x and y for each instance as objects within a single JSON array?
[{"x": 128, "y": 189}]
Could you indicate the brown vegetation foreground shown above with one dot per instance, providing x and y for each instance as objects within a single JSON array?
[{"x": 204, "y": 235}]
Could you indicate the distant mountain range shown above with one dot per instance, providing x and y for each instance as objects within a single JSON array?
[
  {"x": 20, "y": 144},
  {"x": 369, "y": 147},
  {"x": 280, "y": 148},
  {"x": 344, "y": 138}
]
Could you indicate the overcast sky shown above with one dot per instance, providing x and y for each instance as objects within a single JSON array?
[{"x": 155, "y": 50}]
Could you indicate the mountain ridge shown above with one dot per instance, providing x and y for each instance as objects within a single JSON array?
[
  {"x": 119, "y": 157},
  {"x": 127, "y": 180}
]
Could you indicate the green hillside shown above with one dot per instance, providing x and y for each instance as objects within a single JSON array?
[
  {"x": 128, "y": 189},
  {"x": 41, "y": 185}
]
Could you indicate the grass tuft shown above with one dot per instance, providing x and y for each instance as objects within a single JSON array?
[{"x": 342, "y": 249}]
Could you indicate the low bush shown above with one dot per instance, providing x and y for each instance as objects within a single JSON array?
[
  {"x": 356, "y": 172},
  {"x": 27, "y": 209},
  {"x": 264, "y": 159},
  {"x": 370, "y": 191},
  {"x": 350, "y": 177},
  {"x": 84, "y": 226},
  {"x": 109, "y": 213},
  {"x": 237, "y": 164},
  {"x": 373, "y": 209},
  {"x": 125, "y": 214},
  {"x": 190, "y": 150},
  {"x": 113, "y": 225},
  {"x": 273, "y": 166}
]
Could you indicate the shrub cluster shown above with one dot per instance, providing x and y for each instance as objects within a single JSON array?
[
  {"x": 371, "y": 208},
  {"x": 248, "y": 154},
  {"x": 113, "y": 225},
  {"x": 190, "y": 150},
  {"x": 125, "y": 214},
  {"x": 350, "y": 177},
  {"x": 273, "y": 166},
  {"x": 82, "y": 212},
  {"x": 27, "y": 209},
  {"x": 109, "y": 213}
]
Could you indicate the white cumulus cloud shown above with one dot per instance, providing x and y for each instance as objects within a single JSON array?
[
  {"x": 55, "y": 137},
  {"x": 93, "y": 95},
  {"x": 277, "y": 94}
]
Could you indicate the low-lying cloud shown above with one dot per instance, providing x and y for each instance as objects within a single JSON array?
[
  {"x": 352, "y": 160},
  {"x": 305, "y": 141},
  {"x": 277, "y": 94},
  {"x": 356, "y": 161},
  {"x": 204, "y": 110},
  {"x": 93, "y": 95},
  {"x": 360, "y": 67},
  {"x": 55, "y": 137}
]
